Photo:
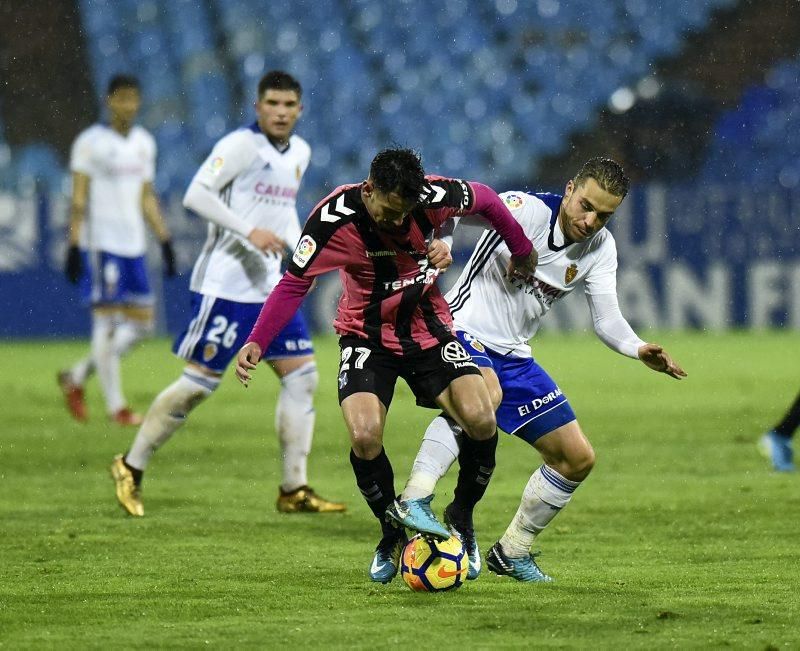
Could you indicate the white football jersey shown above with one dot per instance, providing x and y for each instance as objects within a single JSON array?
[
  {"x": 504, "y": 314},
  {"x": 259, "y": 184},
  {"x": 117, "y": 166}
]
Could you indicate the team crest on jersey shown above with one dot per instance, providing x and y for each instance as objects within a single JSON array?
[
  {"x": 216, "y": 165},
  {"x": 305, "y": 249},
  {"x": 477, "y": 345},
  {"x": 512, "y": 201},
  {"x": 570, "y": 273},
  {"x": 209, "y": 352}
]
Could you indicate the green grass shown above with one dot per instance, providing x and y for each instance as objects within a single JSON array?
[{"x": 681, "y": 537}]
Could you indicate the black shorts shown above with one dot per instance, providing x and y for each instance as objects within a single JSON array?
[{"x": 368, "y": 367}]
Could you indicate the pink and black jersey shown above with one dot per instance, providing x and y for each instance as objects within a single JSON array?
[{"x": 389, "y": 288}]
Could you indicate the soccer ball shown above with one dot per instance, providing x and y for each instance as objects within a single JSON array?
[{"x": 434, "y": 566}]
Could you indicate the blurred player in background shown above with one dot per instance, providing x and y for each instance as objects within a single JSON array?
[
  {"x": 246, "y": 189},
  {"x": 495, "y": 316},
  {"x": 113, "y": 167},
  {"x": 393, "y": 322},
  {"x": 776, "y": 444}
]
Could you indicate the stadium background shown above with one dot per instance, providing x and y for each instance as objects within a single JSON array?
[{"x": 697, "y": 98}]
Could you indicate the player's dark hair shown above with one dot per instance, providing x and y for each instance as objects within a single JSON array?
[
  {"x": 122, "y": 81},
  {"x": 279, "y": 80},
  {"x": 400, "y": 171},
  {"x": 607, "y": 172}
]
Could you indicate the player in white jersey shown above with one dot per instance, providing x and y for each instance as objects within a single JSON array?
[
  {"x": 495, "y": 316},
  {"x": 246, "y": 190},
  {"x": 113, "y": 166}
]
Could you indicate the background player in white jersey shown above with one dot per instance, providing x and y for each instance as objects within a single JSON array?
[
  {"x": 113, "y": 166},
  {"x": 246, "y": 189},
  {"x": 495, "y": 316}
]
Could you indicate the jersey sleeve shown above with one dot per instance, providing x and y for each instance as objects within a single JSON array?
[
  {"x": 444, "y": 198},
  {"x": 323, "y": 244},
  {"x": 150, "y": 163},
  {"x": 602, "y": 277},
  {"x": 230, "y": 157},
  {"x": 80, "y": 158}
]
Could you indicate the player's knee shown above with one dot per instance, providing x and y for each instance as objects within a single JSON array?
[
  {"x": 496, "y": 396},
  {"x": 302, "y": 382},
  {"x": 480, "y": 423},
  {"x": 579, "y": 463},
  {"x": 366, "y": 439}
]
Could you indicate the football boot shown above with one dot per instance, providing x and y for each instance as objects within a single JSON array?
[
  {"x": 416, "y": 515},
  {"x": 386, "y": 560},
  {"x": 73, "y": 396},
  {"x": 778, "y": 449},
  {"x": 462, "y": 529},
  {"x": 521, "y": 569},
  {"x": 129, "y": 494},
  {"x": 305, "y": 500}
]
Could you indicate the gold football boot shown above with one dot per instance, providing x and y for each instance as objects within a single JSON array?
[
  {"x": 128, "y": 493},
  {"x": 305, "y": 500}
]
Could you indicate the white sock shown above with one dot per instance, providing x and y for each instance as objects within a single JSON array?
[
  {"x": 167, "y": 413},
  {"x": 82, "y": 370},
  {"x": 106, "y": 361},
  {"x": 294, "y": 422},
  {"x": 438, "y": 451},
  {"x": 545, "y": 495},
  {"x": 129, "y": 332}
]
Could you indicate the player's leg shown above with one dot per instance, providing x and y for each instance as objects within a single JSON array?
[
  {"x": 367, "y": 376},
  {"x": 568, "y": 458},
  {"x": 167, "y": 413},
  {"x": 208, "y": 344},
  {"x": 776, "y": 444},
  {"x": 291, "y": 357}
]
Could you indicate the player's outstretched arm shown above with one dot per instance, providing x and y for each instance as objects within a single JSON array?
[
  {"x": 655, "y": 357},
  {"x": 246, "y": 361}
]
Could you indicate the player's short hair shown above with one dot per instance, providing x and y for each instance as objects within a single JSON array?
[
  {"x": 279, "y": 80},
  {"x": 607, "y": 172},
  {"x": 400, "y": 171},
  {"x": 122, "y": 81}
]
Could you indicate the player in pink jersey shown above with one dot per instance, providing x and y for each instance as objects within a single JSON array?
[{"x": 393, "y": 322}]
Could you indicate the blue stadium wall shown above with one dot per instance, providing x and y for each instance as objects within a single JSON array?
[{"x": 706, "y": 257}]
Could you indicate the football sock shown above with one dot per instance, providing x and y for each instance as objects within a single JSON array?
[
  {"x": 130, "y": 332},
  {"x": 375, "y": 479},
  {"x": 437, "y": 453},
  {"x": 82, "y": 370},
  {"x": 167, "y": 413},
  {"x": 476, "y": 461},
  {"x": 545, "y": 495},
  {"x": 294, "y": 422},
  {"x": 790, "y": 421},
  {"x": 106, "y": 361}
]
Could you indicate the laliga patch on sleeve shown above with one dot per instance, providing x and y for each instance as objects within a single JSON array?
[
  {"x": 512, "y": 200},
  {"x": 215, "y": 165},
  {"x": 305, "y": 249}
]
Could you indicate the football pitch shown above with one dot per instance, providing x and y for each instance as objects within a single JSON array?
[{"x": 681, "y": 537}]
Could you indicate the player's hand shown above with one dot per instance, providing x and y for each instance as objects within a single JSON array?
[
  {"x": 439, "y": 255},
  {"x": 523, "y": 267},
  {"x": 72, "y": 268},
  {"x": 267, "y": 241},
  {"x": 246, "y": 361},
  {"x": 656, "y": 358},
  {"x": 168, "y": 257}
]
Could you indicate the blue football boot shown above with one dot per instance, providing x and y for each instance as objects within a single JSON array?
[
  {"x": 462, "y": 529},
  {"x": 417, "y": 515},
  {"x": 778, "y": 449},
  {"x": 386, "y": 561},
  {"x": 521, "y": 569}
]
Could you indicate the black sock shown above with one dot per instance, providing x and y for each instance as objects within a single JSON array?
[
  {"x": 137, "y": 474},
  {"x": 791, "y": 420},
  {"x": 476, "y": 461},
  {"x": 375, "y": 479}
]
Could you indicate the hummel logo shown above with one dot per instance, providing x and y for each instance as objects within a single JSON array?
[
  {"x": 331, "y": 216},
  {"x": 438, "y": 194}
]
